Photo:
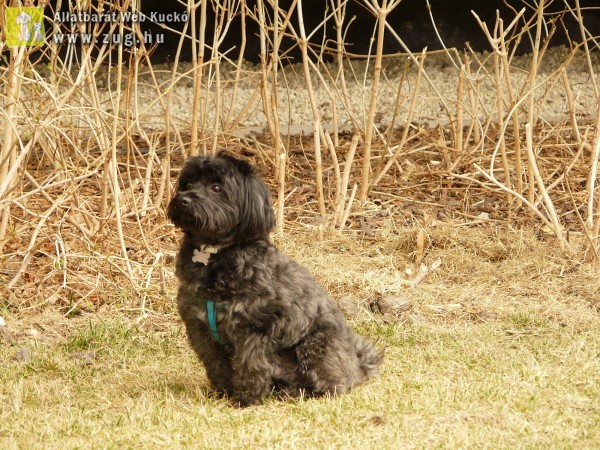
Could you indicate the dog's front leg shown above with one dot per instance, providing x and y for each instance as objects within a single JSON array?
[
  {"x": 215, "y": 360},
  {"x": 253, "y": 368}
]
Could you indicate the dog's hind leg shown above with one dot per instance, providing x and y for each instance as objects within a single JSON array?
[
  {"x": 328, "y": 360},
  {"x": 369, "y": 357}
]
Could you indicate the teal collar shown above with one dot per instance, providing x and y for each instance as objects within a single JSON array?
[{"x": 211, "y": 313}]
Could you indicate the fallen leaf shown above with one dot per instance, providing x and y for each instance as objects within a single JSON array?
[
  {"x": 377, "y": 420},
  {"x": 23, "y": 355},
  {"x": 349, "y": 306},
  {"x": 84, "y": 357},
  {"x": 33, "y": 332},
  {"x": 394, "y": 305},
  {"x": 6, "y": 336}
]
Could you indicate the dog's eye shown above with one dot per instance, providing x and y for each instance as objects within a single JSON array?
[{"x": 216, "y": 188}]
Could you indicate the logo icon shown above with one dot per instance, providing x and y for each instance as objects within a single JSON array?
[{"x": 24, "y": 26}]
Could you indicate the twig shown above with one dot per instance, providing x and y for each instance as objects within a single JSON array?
[
  {"x": 381, "y": 12},
  {"x": 348, "y": 207},
  {"x": 339, "y": 208},
  {"x": 424, "y": 271}
]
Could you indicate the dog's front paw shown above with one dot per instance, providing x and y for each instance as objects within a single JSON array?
[
  {"x": 222, "y": 390},
  {"x": 244, "y": 402},
  {"x": 250, "y": 390}
]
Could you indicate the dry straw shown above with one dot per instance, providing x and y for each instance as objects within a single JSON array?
[{"x": 85, "y": 174}]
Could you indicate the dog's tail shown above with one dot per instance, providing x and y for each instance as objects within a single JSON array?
[{"x": 369, "y": 357}]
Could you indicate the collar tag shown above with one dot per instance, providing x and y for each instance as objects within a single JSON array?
[{"x": 203, "y": 255}]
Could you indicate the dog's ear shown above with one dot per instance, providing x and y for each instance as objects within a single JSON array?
[
  {"x": 244, "y": 167},
  {"x": 258, "y": 218}
]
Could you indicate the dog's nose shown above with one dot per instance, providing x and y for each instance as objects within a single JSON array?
[{"x": 184, "y": 200}]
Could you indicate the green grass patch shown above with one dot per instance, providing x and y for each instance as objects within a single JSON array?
[{"x": 512, "y": 383}]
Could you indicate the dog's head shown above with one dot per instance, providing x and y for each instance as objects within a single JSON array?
[{"x": 221, "y": 200}]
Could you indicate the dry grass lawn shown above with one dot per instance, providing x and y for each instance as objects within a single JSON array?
[{"x": 499, "y": 348}]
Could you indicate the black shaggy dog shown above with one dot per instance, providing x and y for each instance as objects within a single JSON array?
[{"x": 257, "y": 319}]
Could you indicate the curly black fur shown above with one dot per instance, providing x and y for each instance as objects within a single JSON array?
[{"x": 279, "y": 329}]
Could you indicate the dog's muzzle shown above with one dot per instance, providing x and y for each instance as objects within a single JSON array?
[{"x": 183, "y": 200}]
